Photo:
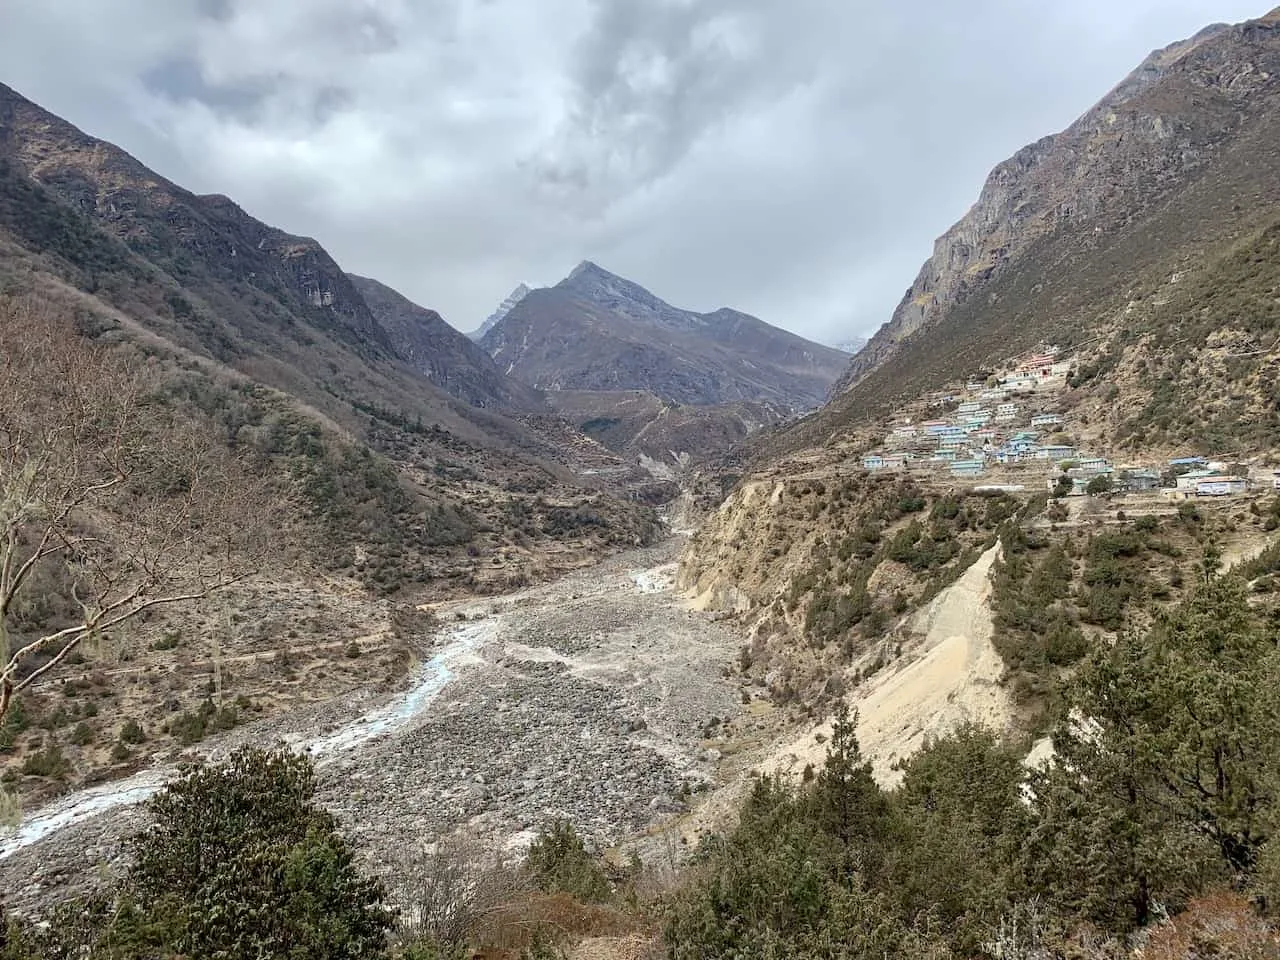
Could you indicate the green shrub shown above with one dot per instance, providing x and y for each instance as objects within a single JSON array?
[
  {"x": 192, "y": 726},
  {"x": 241, "y": 862},
  {"x": 170, "y": 640},
  {"x": 1099, "y": 485},
  {"x": 132, "y": 732},
  {"x": 47, "y": 762},
  {"x": 559, "y": 862},
  {"x": 16, "y": 721}
]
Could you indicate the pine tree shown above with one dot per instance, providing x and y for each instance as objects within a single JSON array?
[
  {"x": 847, "y": 803},
  {"x": 1161, "y": 780}
]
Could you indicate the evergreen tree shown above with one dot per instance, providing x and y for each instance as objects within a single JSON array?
[
  {"x": 241, "y": 862},
  {"x": 846, "y": 802},
  {"x": 1161, "y": 781},
  {"x": 961, "y": 823}
]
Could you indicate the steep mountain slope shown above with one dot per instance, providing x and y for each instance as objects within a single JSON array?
[
  {"x": 449, "y": 359},
  {"x": 491, "y": 321},
  {"x": 597, "y": 331},
  {"x": 206, "y": 242},
  {"x": 1144, "y": 242},
  {"x": 386, "y": 491},
  {"x": 1075, "y": 237},
  {"x": 406, "y": 482},
  {"x": 1180, "y": 157}
]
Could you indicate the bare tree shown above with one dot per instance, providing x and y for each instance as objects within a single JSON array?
[
  {"x": 112, "y": 501},
  {"x": 448, "y": 891}
]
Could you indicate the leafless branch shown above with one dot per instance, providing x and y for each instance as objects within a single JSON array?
[{"x": 107, "y": 490}]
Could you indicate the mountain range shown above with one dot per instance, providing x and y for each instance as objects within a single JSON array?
[
  {"x": 891, "y": 558},
  {"x": 262, "y": 330},
  {"x": 597, "y": 331}
]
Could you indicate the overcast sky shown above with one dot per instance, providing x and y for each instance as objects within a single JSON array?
[{"x": 791, "y": 158}]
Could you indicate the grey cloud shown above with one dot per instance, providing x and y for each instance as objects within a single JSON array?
[
  {"x": 652, "y": 78},
  {"x": 182, "y": 79},
  {"x": 244, "y": 99},
  {"x": 795, "y": 160},
  {"x": 220, "y": 10}
]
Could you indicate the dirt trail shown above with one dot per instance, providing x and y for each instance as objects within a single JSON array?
[{"x": 950, "y": 676}]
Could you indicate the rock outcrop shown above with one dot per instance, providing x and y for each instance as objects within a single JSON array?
[{"x": 1157, "y": 129}]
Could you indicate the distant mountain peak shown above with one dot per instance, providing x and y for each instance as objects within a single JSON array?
[
  {"x": 597, "y": 331},
  {"x": 505, "y": 307},
  {"x": 588, "y": 268},
  {"x": 592, "y": 282}
]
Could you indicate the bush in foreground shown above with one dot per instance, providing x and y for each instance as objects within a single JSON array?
[{"x": 239, "y": 862}]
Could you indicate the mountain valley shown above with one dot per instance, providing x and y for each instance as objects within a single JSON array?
[{"x": 614, "y": 630}]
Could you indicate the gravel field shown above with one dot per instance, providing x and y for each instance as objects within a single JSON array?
[{"x": 586, "y": 698}]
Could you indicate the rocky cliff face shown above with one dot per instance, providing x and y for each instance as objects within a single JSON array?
[
  {"x": 505, "y": 307},
  {"x": 199, "y": 239},
  {"x": 449, "y": 359},
  {"x": 597, "y": 331},
  {"x": 1164, "y": 123}
]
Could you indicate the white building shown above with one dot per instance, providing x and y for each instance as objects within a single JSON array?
[{"x": 1219, "y": 486}]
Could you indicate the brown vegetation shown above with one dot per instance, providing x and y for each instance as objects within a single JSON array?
[{"x": 112, "y": 505}]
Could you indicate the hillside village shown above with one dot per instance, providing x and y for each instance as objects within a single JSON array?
[{"x": 1006, "y": 428}]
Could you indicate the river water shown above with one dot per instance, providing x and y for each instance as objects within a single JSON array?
[{"x": 462, "y": 641}]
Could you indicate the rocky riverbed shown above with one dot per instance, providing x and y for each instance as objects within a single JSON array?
[{"x": 585, "y": 699}]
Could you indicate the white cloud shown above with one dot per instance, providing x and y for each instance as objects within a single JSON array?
[{"x": 795, "y": 160}]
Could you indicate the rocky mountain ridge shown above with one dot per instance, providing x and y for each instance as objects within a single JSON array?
[
  {"x": 265, "y": 333},
  {"x": 1159, "y": 128},
  {"x": 491, "y": 321},
  {"x": 449, "y": 359},
  {"x": 597, "y": 331},
  {"x": 162, "y": 221}
]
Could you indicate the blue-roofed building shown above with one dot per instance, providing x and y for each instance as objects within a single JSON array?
[{"x": 1094, "y": 465}]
